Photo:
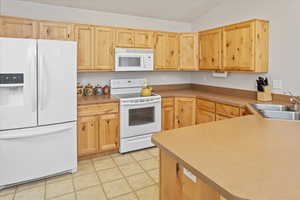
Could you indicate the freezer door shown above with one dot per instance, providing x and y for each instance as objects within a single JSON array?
[
  {"x": 18, "y": 83},
  {"x": 57, "y": 76},
  {"x": 33, "y": 153}
]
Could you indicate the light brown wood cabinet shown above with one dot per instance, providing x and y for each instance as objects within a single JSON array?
[
  {"x": 143, "y": 39},
  {"x": 87, "y": 135},
  {"x": 56, "y": 30},
  {"x": 124, "y": 38},
  {"x": 95, "y": 47},
  {"x": 166, "y": 51},
  {"x": 16, "y": 27},
  {"x": 221, "y": 117},
  {"x": 109, "y": 132},
  {"x": 84, "y": 35},
  {"x": 205, "y": 111},
  {"x": 204, "y": 116},
  {"x": 97, "y": 129},
  {"x": 188, "y": 53},
  {"x": 210, "y": 47},
  {"x": 244, "y": 47},
  {"x": 104, "y": 48},
  {"x": 175, "y": 185},
  {"x": 185, "y": 112},
  {"x": 168, "y": 113}
]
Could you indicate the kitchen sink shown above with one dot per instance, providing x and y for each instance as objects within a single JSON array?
[
  {"x": 281, "y": 115},
  {"x": 275, "y": 107},
  {"x": 275, "y": 111}
]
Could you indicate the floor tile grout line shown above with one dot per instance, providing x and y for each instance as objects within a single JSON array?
[
  {"x": 133, "y": 191},
  {"x": 102, "y": 188}
]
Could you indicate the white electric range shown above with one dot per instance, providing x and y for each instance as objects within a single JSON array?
[{"x": 140, "y": 117}]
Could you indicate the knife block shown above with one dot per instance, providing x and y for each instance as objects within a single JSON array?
[{"x": 266, "y": 95}]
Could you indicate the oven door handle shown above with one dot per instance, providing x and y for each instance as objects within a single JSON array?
[{"x": 143, "y": 103}]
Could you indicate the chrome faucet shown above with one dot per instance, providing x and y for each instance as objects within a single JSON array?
[{"x": 295, "y": 100}]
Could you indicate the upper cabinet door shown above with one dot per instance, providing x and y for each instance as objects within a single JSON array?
[
  {"x": 104, "y": 48},
  {"x": 56, "y": 31},
  {"x": 210, "y": 47},
  {"x": 172, "y": 51},
  {"x": 238, "y": 47},
  {"x": 18, "y": 27},
  {"x": 143, "y": 39},
  {"x": 84, "y": 35},
  {"x": 160, "y": 50},
  {"x": 124, "y": 38},
  {"x": 189, "y": 51}
]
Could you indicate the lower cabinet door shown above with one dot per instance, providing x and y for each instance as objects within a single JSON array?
[
  {"x": 168, "y": 118},
  {"x": 204, "y": 116},
  {"x": 185, "y": 112},
  {"x": 109, "y": 132},
  {"x": 87, "y": 135},
  {"x": 170, "y": 187}
]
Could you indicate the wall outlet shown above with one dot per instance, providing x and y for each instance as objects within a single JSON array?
[{"x": 277, "y": 84}]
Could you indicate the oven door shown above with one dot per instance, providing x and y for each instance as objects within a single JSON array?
[
  {"x": 129, "y": 62},
  {"x": 140, "y": 119}
]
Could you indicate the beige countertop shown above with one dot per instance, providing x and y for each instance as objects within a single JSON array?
[
  {"x": 243, "y": 158},
  {"x": 96, "y": 100},
  {"x": 211, "y": 96}
]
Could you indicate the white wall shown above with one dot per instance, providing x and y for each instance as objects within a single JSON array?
[
  {"x": 284, "y": 40},
  {"x": 154, "y": 78},
  {"x": 56, "y": 13}
]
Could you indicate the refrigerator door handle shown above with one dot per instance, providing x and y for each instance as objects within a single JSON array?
[
  {"x": 42, "y": 91},
  {"x": 12, "y": 136},
  {"x": 33, "y": 73}
]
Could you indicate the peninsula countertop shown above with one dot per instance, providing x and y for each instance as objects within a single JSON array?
[{"x": 242, "y": 158}]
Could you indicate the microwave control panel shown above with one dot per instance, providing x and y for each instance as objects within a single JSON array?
[{"x": 148, "y": 61}]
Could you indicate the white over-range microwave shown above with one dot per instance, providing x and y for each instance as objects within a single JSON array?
[{"x": 133, "y": 59}]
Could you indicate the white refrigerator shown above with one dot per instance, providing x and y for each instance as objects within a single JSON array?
[{"x": 38, "y": 109}]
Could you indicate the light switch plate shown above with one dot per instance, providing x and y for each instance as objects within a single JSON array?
[{"x": 277, "y": 84}]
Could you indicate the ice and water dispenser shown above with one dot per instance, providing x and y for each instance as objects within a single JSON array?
[{"x": 11, "y": 89}]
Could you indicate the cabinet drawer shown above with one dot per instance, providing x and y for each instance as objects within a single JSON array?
[
  {"x": 206, "y": 105},
  {"x": 169, "y": 101},
  {"x": 204, "y": 116},
  {"x": 98, "y": 109},
  {"x": 221, "y": 117},
  {"x": 227, "y": 110}
]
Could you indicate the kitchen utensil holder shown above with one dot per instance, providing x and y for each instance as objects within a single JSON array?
[{"x": 266, "y": 95}]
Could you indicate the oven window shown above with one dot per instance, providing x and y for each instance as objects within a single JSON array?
[
  {"x": 140, "y": 116},
  {"x": 129, "y": 61}
]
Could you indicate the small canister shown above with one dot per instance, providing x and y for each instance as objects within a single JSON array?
[
  {"x": 88, "y": 90},
  {"x": 98, "y": 90},
  {"x": 79, "y": 89},
  {"x": 106, "y": 90}
]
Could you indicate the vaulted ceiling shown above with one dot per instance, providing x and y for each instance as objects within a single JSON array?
[{"x": 175, "y": 10}]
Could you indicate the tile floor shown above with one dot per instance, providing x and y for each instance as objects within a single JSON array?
[{"x": 133, "y": 176}]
